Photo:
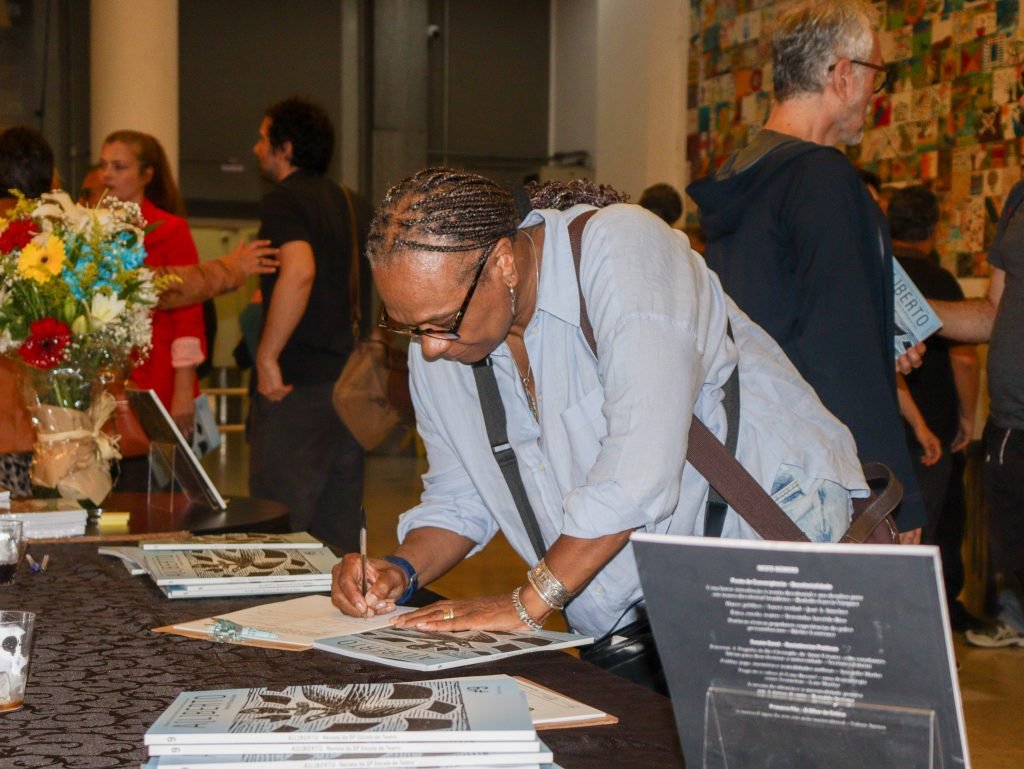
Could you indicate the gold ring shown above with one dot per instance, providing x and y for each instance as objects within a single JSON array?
[{"x": 448, "y": 614}]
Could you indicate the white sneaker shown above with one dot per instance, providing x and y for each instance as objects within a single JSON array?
[{"x": 996, "y": 636}]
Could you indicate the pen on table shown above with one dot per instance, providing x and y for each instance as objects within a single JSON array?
[
  {"x": 362, "y": 561},
  {"x": 32, "y": 565},
  {"x": 46, "y": 562}
]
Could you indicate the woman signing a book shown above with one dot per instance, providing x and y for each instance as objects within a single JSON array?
[{"x": 568, "y": 444}]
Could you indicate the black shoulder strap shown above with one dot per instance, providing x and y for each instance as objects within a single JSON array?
[
  {"x": 730, "y": 482},
  {"x": 497, "y": 435}
]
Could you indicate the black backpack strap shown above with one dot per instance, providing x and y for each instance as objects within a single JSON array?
[{"x": 497, "y": 435}]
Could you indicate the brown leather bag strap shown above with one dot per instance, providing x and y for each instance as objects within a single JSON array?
[
  {"x": 353, "y": 272},
  {"x": 705, "y": 452},
  {"x": 872, "y": 512}
]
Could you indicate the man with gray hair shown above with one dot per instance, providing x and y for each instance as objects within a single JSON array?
[{"x": 799, "y": 243}]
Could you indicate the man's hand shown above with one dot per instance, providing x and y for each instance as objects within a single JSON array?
[
  {"x": 386, "y": 584},
  {"x": 910, "y": 537},
  {"x": 911, "y": 359},
  {"x": 964, "y": 433},
  {"x": 931, "y": 446},
  {"x": 494, "y": 612},
  {"x": 271, "y": 384},
  {"x": 255, "y": 257}
]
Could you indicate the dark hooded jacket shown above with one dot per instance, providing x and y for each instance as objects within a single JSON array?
[{"x": 803, "y": 249}]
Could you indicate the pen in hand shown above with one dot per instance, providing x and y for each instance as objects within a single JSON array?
[{"x": 362, "y": 562}]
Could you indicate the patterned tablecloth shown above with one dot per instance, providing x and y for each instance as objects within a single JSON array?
[{"x": 100, "y": 677}]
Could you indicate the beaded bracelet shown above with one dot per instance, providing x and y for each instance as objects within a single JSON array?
[
  {"x": 549, "y": 587},
  {"x": 410, "y": 574},
  {"x": 524, "y": 615}
]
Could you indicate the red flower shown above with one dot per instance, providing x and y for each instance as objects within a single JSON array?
[
  {"x": 17, "y": 235},
  {"x": 45, "y": 346}
]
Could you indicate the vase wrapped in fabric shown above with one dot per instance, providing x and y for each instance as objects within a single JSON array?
[
  {"x": 75, "y": 304},
  {"x": 69, "y": 407}
]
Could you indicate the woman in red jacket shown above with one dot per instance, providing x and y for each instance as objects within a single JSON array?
[{"x": 135, "y": 169}]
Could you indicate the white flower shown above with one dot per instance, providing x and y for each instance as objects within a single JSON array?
[
  {"x": 58, "y": 207},
  {"x": 105, "y": 309}
]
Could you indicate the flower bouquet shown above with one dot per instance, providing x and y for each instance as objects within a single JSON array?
[{"x": 75, "y": 309}]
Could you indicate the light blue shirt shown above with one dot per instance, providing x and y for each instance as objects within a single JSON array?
[{"x": 607, "y": 453}]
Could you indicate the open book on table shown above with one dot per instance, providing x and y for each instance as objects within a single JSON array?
[{"x": 314, "y": 622}]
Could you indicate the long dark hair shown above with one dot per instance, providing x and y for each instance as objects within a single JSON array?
[
  {"x": 442, "y": 210},
  {"x": 161, "y": 191}
]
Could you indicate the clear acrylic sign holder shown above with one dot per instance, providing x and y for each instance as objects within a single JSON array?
[
  {"x": 172, "y": 476},
  {"x": 747, "y": 730}
]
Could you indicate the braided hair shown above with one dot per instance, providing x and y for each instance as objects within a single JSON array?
[{"x": 441, "y": 210}]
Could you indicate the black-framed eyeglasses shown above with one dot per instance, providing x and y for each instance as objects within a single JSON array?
[
  {"x": 881, "y": 73},
  {"x": 450, "y": 334}
]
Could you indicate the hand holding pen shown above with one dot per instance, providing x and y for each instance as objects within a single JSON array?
[{"x": 363, "y": 564}]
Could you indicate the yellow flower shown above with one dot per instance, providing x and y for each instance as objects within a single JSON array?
[{"x": 41, "y": 264}]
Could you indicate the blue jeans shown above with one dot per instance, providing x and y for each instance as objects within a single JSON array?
[{"x": 821, "y": 508}]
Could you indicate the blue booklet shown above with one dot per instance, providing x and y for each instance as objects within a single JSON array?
[
  {"x": 915, "y": 320},
  {"x": 464, "y": 709}
]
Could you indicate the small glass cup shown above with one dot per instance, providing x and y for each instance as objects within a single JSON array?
[
  {"x": 12, "y": 548},
  {"x": 15, "y": 654}
]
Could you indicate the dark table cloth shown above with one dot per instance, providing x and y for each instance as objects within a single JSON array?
[{"x": 100, "y": 677}]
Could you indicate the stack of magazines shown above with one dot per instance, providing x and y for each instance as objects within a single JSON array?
[
  {"x": 483, "y": 722},
  {"x": 47, "y": 518},
  {"x": 232, "y": 564}
]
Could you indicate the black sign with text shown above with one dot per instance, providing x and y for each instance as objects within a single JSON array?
[{"x": 804, "y": 655}]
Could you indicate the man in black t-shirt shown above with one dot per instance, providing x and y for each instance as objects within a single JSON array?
[
  {"x": 301, "y": 453},
  {"x": 943, "y": 392}
]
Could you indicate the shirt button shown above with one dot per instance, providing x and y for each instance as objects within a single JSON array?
[{"x": 598, "y": 589}]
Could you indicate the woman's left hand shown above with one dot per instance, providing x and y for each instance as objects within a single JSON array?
[{"x": 493, "y": 612}]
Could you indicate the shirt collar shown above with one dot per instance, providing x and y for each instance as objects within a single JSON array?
[{"x": 557, "y": 270}]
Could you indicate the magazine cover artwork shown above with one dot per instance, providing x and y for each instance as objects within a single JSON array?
[
  {"x": 247, "y": 540},
  {"x": 416, "y": 650},
  {"x": 188, "y": 566},
  {"x": 430, "y": 710}
]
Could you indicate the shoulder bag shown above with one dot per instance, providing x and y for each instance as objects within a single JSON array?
[
  {"x": 372, "y": 394},
  {"x": 630, "y": 651}
]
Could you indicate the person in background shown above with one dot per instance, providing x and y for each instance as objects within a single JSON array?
[
  {"x": 663, "y": 200},
  {"x": 942, "y": 394},
  {"x": 135, "y": 169},
  {"x": 195, "y": 283},
  {"x": 301, "y": 454},
  {"x": 800, "y": 245},
  {"x": 601, "y": 441},
  {"x": 92, "y": 189},
  {"x": 998, "y": 318}
]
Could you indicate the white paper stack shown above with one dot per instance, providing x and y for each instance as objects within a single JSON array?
[
  {"x": 220, "y": 570},
  {"x": 461, "y": 722},
  {"x": 48, "y": 518}
]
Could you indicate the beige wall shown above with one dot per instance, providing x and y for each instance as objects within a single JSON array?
[{"x": 618, "y": 88}]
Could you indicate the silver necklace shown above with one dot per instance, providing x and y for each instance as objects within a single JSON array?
[{"x": 531, "y": 400}]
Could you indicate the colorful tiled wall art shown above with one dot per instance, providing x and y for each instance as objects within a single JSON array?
[{"x": 950, "y": 118}]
